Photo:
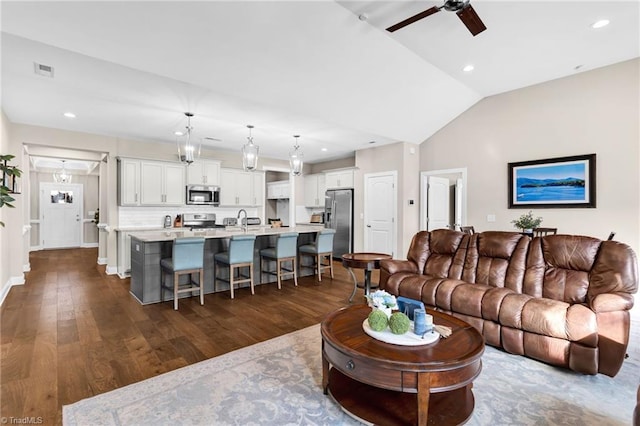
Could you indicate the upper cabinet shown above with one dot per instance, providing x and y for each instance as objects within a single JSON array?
[
  {"x": 150, "y": 183},
  {"x": 339, "y": 179},
  {"x": 278, "y": 190},
  {"x": 240, "y": 188},
  {"x": 128, "y": 182},
  {"x": 161, "y": 183},
  {"x": 314, "y": 189},
  {"x": 203, "y": 172}
]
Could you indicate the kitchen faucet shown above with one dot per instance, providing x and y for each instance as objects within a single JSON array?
[{"x": 246, "y": 222}]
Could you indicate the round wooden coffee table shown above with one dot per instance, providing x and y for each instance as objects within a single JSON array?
[
  {"x": 389, "y": 384},
  {"x": 366, "y": 261}
]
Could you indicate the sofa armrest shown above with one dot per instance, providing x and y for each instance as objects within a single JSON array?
[
  {"x": 389, "y": 267},
  {"x": 393, "y": 266},
  {"x": 610, "y": 302}
]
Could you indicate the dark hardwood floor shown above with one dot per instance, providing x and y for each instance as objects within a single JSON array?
[{"x": 72, "y": 331}]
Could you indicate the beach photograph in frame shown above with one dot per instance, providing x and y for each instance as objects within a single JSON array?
[{"x": 553, "y": 182}]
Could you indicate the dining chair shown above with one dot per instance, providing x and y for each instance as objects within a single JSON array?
[
  {"x": 284, "y": 251},
  {"x": 240, "y": 255},
  {"x": 467, "y": 230},
  {"x": 319, "y": 250},
  {"x": 187, "y": 258},
  {"x": 541, "y": 232}
]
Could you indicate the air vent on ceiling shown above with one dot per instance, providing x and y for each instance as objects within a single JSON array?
[{"x": 44, "y": 70}]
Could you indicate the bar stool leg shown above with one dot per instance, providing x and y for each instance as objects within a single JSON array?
[
  {"x": 201, "y": 286},
  {"x": 295, "y": 272},
  {"x": 176, "y": 282}
]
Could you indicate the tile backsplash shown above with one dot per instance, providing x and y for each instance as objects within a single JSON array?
[{"x": 153, "y": 217}]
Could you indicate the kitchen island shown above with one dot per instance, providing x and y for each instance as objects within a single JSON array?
[{"x": 148, "y": 247}]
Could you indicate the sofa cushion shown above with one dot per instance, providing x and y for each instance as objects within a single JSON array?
[
  {"x": 446, "y": 253},
  {"x": 558, "y": 267},
  {"x": 497, "y": 259},
  {"x": 547, "y": 317}
]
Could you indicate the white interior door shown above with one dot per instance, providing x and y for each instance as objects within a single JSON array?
[
  {"x": 60, "y": 215},
  {"x": 380, "y": 212},
  {"x": 438, "y": 208}
]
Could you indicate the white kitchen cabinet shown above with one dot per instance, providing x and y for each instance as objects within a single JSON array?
[
  {"x": 236, "y": 187},
  {"x": 124, "y": 253},
  {"x": 314, "y": 189},
  {"x": 161, "y": 184},
  {"x": 240, "y": 188},
  {"x": 128, "y": 182},
  {"x": 339, "y": 179},
  {"x": 258, "y": 188},
  {"x": 203, "y": 172},
  {"x": 278, "y": 190}
]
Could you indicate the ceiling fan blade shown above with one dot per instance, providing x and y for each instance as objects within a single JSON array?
[
  {"x": 413, "y": 19},
  {"x": 471, "y": 20}
]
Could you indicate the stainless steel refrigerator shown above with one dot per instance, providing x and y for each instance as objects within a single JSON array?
[{"x": 338, "y": 213}]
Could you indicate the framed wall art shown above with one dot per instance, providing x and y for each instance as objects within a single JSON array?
[{"x": 553, "y": 182}]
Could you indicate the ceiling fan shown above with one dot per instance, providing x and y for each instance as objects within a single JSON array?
[{"x": 462, "y": 8}]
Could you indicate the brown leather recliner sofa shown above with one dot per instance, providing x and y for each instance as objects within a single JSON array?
[{"x": 560, "y": 299}]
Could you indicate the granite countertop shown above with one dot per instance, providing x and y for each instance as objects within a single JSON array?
[{"x": 169, "y": 234}]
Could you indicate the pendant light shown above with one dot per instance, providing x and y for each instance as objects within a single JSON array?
[
  {"x": 250, "y": 153},
  {"x": 187, "y": 153},
  {"x": 61, "y": 176},
  {"x": 296, "y": 158}
]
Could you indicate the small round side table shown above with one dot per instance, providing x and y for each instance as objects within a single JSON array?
[{"x": 366, "y": 261}]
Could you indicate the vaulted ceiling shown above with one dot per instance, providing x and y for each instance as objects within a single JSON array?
[{"x": 325, "y": 70}]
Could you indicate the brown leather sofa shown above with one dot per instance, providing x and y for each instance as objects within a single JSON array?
[{"x": 560, "y": 299}]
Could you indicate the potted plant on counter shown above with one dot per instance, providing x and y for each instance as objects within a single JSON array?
[{"x": 527, "y": 222}]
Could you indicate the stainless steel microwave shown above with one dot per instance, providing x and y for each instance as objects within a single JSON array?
[{"x": 203, "y": 194}]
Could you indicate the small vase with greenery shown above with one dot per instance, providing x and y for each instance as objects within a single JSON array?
[
  {"x": 527, "y": 222},
  {"x": 9, "y": 173}
]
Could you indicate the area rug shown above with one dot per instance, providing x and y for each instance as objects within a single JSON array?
[{"x": 278, "y": 382}]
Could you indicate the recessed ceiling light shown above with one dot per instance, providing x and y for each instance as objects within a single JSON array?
[
  {"x": 601, "y": 23},
  {"x": 178, "y": 133},
  {"x": 324, "y": 150},
  {"x": 468, "y": 68},
  {"x": 69, "y": 115}
]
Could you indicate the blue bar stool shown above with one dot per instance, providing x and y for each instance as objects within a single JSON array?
[
  {"x": 240, "y": 255},
  {"x": 284, "y": 251},
  {"x": 321, "y": 248},
  {"x": 187, "y": 258}
]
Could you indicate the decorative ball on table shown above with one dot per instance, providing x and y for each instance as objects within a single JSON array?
[
  {"x": 378, "y": 320},
  {"x": 399, "y": 323}
]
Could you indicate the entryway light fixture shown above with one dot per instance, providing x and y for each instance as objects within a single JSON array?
[
  {"x": 62, "y": 176},
  {"x": 250, "y": 153},
  {"x": 187, "y": 153},
  {"x": 296, "y": 158}
]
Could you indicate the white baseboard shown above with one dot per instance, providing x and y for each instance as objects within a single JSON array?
[
  {"x": 111, "y": 270},
  {"x": 7, "y": 286},
  {"x": 35, "y": 248},
  {"x": 102, "y": 261},
  {"x": 89, "y": 245}
]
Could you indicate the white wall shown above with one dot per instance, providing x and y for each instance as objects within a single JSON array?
[
  {"x": 11, "y": 235},
  {"x": 592, "y": 112},
  {"x": 397, "y": 157}
]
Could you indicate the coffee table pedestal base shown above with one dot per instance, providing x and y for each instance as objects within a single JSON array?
[{"x": 387, "y": 407}]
